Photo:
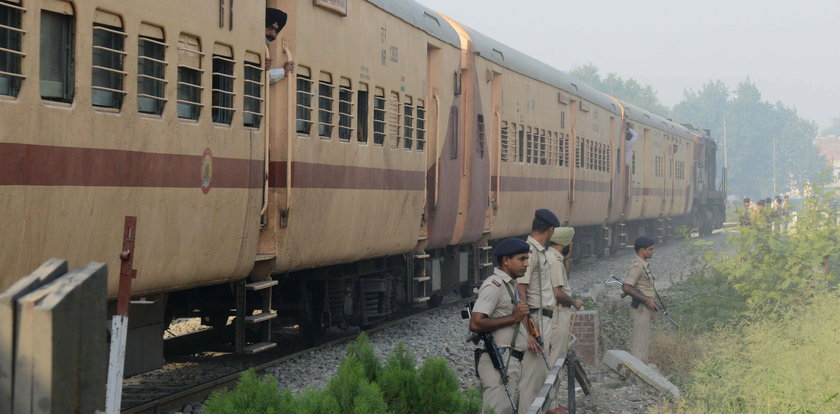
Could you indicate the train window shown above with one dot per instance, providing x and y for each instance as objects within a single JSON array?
[
  {"x": 633, "y": 163},
  {"x": 222, "y": 93},
  {"x": 345, "y": 110},
  {"x": 11, "y": 36},
  {"x": 481, "y": 135},
  {"x": 408, "y": 123},
  {"x": 456, "y": 135},
  {"x": 562, "y": 120},
  {"x": 189, "y": 77},
  {"x": 563, "y": 148},
  {"x": 618, "y": 161},
  {"x": 56, "y": 56},
  {"x": 252, "y": 110},
  {"x": 521, "y": 141},
  {"x": 394, "y": 114},
  {"x": 151, "y": 70},
  {"x": 607, "y": 163},
  {"x": 554, "y": 159},
  {"x": 362, "y": 119},
  {"x": 543, "y": 160},
  {"x": 378, "y": 116},
  {"x": 421, "y": 126},
  {"x": 529, "y": 146},
  {"x": 579, "y": 152},
  {"x": 303, "y": 125},
  {"x": 503, "y": 151},
  {"x": 325, "y": 105},
  {"x": 107, "y": 78}
]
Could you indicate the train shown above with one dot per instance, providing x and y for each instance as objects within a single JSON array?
[{"x": 377, "y": 175}]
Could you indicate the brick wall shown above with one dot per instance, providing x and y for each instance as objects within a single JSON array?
[{"x": 586, "y": 329}]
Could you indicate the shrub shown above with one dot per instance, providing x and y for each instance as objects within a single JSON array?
[
  {"x": 252, "y": 395},
  {"x": 399, "y": 382},
  {"x": 363, "y": 352},
  {"x": 787, "y": 364}
]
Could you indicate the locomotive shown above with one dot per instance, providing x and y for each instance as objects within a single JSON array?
[{"x": 376, "y": 175}]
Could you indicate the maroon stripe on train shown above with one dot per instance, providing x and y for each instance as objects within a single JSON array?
[
  {"x": 43, "y": 165},
  {"x": 311, "y": 175}
]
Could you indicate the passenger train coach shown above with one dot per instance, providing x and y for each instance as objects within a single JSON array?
[{"x": 377, "y": 174}]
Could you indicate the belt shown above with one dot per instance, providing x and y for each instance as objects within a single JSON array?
[
  {"x": 545, "y": 312},
  {"x": 514, "y": 353}
]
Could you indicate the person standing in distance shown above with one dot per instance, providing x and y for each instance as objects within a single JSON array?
[
  {"x": 535, "y": 289},
  {"x": 496, "y": 310},
  {"x": 639, "y": 276},
  {"x": 274, "y": 21}
]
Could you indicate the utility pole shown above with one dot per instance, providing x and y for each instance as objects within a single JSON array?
[{"x": 774, "y": 166}]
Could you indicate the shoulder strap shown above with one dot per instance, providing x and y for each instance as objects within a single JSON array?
[{"x": 515, "y": 326}]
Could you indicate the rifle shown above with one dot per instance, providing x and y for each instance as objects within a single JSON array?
[
  {"x": 534, "y": 330},
  {"x": 492, "y": 351},
  {"x": 635, "y": 302}
]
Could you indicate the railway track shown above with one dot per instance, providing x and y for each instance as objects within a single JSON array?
[{"x": 163, "y": 399}]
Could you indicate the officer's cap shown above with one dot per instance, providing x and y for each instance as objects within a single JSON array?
[
  {"x": 747, "y": 200},
  {"x": 760, "y": 202},
  {"x": 510, "y": 247},
  {"x": 547, "y": 217},
  {"x": 643, "y": 242}
]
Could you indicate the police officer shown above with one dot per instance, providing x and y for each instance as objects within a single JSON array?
[
  {"x": 535, "y": 289},
  {"x": 639, "y": 276},
  {"x": 497, "y": 310},
  {"x": 559, "y": 249}
]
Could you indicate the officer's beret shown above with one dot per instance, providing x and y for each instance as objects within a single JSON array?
[
  {"x": 547, "y": 217},
  {"x": 275, "y": 16},
  {"x": 760, "y": 202},
  {"x": 510, "y": 247},
  {"x": 644, "y": 242},
  {"x": 747, "y": 200}
]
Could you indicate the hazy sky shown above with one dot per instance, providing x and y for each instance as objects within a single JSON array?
[{"x": 789, "y": 49}]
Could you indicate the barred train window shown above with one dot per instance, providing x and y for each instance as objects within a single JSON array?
[
  {"x": 222, "y": 92},
  {"x": 345, "y": 110},
  {"x": 11, "y": 36},
  {"x": 528, "y": 146},
  {"x": 421, "y": 126},
  {"x": 189, "y": 77},
  {"x": 408, "y": 123},
  {"x": 151, "y": 71},
  {"x": 252, "y": 110},
  {"x": 362, "y": 117},
  {"x": 394, "y": 114},
  {"x": 56, "y": 56},
  {"x": 108, "y": 59},
  {"x": 379, "y": 116},
  {"x": 503, "y": 151},
  {"x": 325, "y": 106},
  {"x": 521, "y": 143},
  {"x": 304, "y": 101},
  {"x": 579, "y": 153},
  {"x": 543, "y": 160}
]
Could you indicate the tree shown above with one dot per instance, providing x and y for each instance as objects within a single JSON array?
[
  {"x": 834, "y": 128},
  {"x": 643, "y": 96}
]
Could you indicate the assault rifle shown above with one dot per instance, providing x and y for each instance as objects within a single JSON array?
[
  {"x": 636, "y": 302},
  {"x": 496, "y": 357},
  {"x": 534, "y": 330}
]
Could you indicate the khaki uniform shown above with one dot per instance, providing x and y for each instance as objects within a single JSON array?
[
  {"x": 639, "y": 276},
  {"x": 494, "y": 301},
  {"x": 562, "y": 315},
  {"x": 541, "y": 301}
]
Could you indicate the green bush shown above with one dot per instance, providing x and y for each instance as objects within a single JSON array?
[
  {"x": 362, "y": 386},
  {"x": 252, "y": 395}
]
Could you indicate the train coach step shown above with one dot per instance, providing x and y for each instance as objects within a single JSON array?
[
  {"x": 422, "y": 299},
  {"x": 421, "y": 256},
  {"x": 265, "y": 284},
  {"x": 422, "y": 279},
  {"x": 485, "y": 248},
  {"x": 260, "y": 317},
  {"x": 488, "y": 264},
  {"x": 259, "y": 347}
]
